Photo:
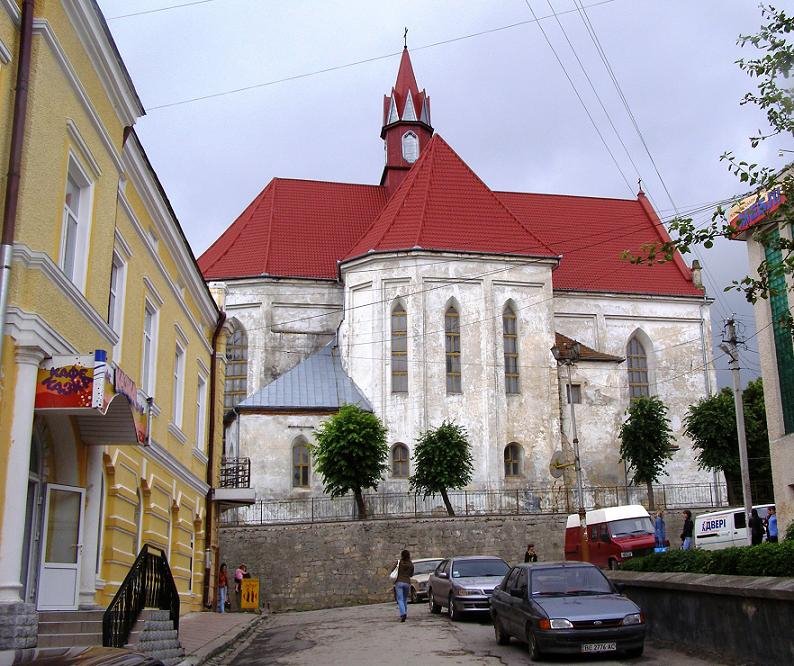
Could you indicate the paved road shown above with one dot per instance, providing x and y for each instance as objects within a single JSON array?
[{"x": 373, "y": 635}]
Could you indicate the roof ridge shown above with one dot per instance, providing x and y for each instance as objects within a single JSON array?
[
  {"x": 265, "y": 266},
  {"x": 426, "y": 194},
  {"x": 567, "y": 196}
]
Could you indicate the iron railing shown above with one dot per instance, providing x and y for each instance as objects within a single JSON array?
[
  {"x": 149, "y": 584},
  {"x": 533, "y": 500},
  {"x": 235, "y": 473}
]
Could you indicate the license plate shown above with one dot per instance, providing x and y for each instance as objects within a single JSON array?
[
  {"x": 599, "y": 647},
  {"x": 628, "y": 553}
]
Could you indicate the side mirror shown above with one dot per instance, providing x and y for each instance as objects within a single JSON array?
[
  {"x": 620, "y": 588},
  {"x": 443, "y": 574}
]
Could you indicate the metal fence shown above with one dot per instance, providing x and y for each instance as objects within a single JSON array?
[{"x": 534, "y": 500}]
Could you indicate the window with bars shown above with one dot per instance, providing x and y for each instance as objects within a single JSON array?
[
  {"x": 399, "y": 349},
  {"x": 637, "y": 364},
  {"x": 452, "y": 346},
  {"x": 236, "y": 367},
  {"x": 510, "y": 338},
  {"x": 399, "y": 461},
  {"x": 512, "y": 460},
  {"x": 300, "y": 465}
]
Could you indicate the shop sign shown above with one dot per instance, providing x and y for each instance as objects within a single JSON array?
[{"x": 753, "y": 209}]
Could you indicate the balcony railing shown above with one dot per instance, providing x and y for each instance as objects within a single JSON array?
[
  {"x": 235, "y": 473},
  {"x": 534, "y": 500}
]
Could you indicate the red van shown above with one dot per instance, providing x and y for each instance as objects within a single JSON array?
[{"x": 614, "y": 534}]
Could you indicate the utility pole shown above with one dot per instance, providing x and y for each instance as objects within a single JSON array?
[{"x": 729, "y": 347}]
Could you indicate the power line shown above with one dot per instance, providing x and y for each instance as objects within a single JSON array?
[{"x": 161, "y": 9}]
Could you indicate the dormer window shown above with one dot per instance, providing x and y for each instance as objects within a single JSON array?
[{"x": 410, "y": 147}]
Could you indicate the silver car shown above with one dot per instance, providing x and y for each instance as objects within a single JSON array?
[
  {"x": 465, "y": 584},
  {"x": 422, "y": 570}
]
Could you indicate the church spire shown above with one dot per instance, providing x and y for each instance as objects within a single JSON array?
[{"x": 406, "y": 124}]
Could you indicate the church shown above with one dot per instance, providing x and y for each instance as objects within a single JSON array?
[{"x": 432, "y": 297}]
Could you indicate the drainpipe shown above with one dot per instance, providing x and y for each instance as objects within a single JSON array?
[
  {"x": 15, "y": 160},
  {"x": 211, "y": 456}
]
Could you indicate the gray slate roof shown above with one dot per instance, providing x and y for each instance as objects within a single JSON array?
[{"x": 318, "y": 382}]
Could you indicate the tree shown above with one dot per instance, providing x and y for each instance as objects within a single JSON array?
[
  {"x": 711, "y": 424},
  {"x": 442, "y": 460},
  {"x": 646, "y": 441},
  {"x": 350, "y": 453},
  {"x": 774, "y": 96}
]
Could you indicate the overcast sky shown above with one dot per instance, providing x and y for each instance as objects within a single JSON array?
[{"x": 499, "y": 97}]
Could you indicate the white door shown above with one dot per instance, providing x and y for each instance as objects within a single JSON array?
[{"x": 59, "y": 581}]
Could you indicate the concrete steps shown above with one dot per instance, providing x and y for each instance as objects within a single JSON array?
[
  {"x": 70, "y": 628},
  {"x": 154, "y": 634}
]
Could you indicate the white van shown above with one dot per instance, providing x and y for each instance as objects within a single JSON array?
[{"x": 726, "y": 528}]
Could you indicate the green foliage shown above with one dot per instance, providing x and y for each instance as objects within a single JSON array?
[
  {"x": 442, "y": 460},
  {"x": 789, "y": 534},
  {"x": 351, "y": 451},
  {"x": 766, "y": 559},
  {"x": 646, "y": 439}
]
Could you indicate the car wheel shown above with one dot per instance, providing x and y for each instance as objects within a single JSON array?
[
  {"x": 453, "y": 614},
  {"x": 635, "y": 652},
  {"x": 532, "y": 644},
  {"x": 501, "y": 637},
  {"x": 412, "y": 598},
  {"x": 434, "y": 607}
]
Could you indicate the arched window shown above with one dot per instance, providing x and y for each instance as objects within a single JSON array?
[
  {"x": 399, "y": 461},
  {"x": 410, "y": 147},
  {"x": 300, "y": 464},
  {"x": 513, "y": 459},
  {"x": 452, "y": 344},
  {"x": 399, "y": 349},
  {"x": 510, "y": 338},
  {"x": 637, "y": 363},
  {"x": 236, "y": 367}
]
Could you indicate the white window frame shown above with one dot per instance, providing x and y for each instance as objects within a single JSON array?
[
  {"x": 178, "y": 392},
  {"x": 149, "y": 351},
  {"x": 118, "y": 281},
  {"x": 201, "y": 413},
  {"x": 77, "y": 271}
]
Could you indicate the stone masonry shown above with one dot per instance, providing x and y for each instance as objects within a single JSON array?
[
  {"x": 19, "y": 625},
  {"x": 322, "y": 565}
]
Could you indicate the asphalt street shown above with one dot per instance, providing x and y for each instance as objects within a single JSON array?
[{"x": 373, "y": 635}]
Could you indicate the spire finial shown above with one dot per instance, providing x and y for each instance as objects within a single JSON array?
[
  {"x": 639, "y": 184},
  {"x": 405, "y": 38}
]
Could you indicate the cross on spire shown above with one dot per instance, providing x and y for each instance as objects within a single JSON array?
[{"x": 405, "y": 38}]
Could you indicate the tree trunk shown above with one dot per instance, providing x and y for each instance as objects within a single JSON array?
[
  {"x": 447, "y": 503},
  {"x": 651, "y": 500},
  {"x": 362, "y": 507}
]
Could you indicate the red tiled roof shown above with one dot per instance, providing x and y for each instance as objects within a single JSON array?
[
  {"x": 591, "y": 234},
  {"x": 565, "y": 344},
  {"x": 294, "y": 228},
  {"x": 443, "y": 205}
]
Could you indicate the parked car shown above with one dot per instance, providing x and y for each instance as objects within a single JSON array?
[
  {"x": 565, "y": 608},
  {"x": 422, "y": 569},
  {"x": 77, "y": 656},
  {"x": 722, "y": 529},
  {"x": 614, "y": 534},
  {"x": 465, "y": 584}
]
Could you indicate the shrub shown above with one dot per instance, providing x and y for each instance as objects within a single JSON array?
[
  {"x": 789, "y": 535},
  {"x": 766, "y": 559}
]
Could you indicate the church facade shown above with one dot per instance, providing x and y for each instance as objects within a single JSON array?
[{"x": 432, "y": 297}]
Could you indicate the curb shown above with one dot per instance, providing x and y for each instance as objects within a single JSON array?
[{"x": 198, "y": 660}]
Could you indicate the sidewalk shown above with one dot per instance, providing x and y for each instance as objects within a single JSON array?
[{"x": 204, "y": 634}]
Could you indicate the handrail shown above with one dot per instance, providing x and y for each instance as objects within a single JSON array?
[{"x": 148, "y": 584}]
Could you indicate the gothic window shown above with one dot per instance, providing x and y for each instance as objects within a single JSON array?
[
  {"x": 300, "y": 465},
  {"x": 510, "y": 339},
  {"x": 410, "y": 147},
  {"x": 399, "y": 461},
  {"x": 236, "y": 367},
  {"x": 399, "y": 349},
  {"x": 452, "y": 346},
  {"x": 637, "y": 363},
  {"x": 512, "y": 459}
]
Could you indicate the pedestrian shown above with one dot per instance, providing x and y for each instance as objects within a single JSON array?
[
  {"x": 659, "y": 530},
  {"x": 771, "y": 525},
  {"x": 223, "y": 588},
  {"x": 686, "y": 533},
  {"x": 402, "y": 586},
  {"x": 756, "y": 528},
  {"x": 239, "y": 573},
  {"x": 530, "y": 555}
]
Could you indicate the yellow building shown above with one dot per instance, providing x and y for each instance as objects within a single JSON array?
[{"x": 111, "y": 395}]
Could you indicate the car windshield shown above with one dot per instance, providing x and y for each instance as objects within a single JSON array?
[
  {"x": 475, "y": 568},
  {"x": 569, "y": 581},
  {"x": 631, "y": 526},
  {"x": 425, "y": 567}
]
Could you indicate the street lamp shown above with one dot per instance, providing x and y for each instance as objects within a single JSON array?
[{"x": 568, "y": 356}]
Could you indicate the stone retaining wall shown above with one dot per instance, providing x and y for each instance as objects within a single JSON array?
[
  {"x": 322, "y": 565},
  {"x": 745, "y": 619}
]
